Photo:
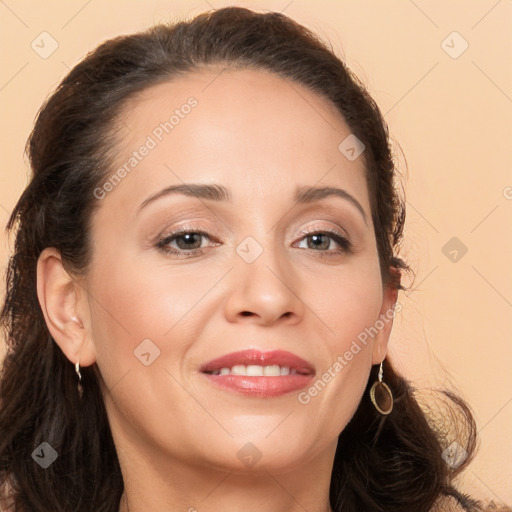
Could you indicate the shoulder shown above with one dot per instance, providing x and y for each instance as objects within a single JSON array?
[
  {"x": 464, "y": 504},
  {"x": 448, "y": 504},
  {"x": 6, "y": 496}
]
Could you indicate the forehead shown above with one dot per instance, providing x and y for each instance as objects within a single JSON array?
[{"x": 248, "y": 128}]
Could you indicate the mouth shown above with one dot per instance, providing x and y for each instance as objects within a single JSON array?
[
  {"x": 262, "y": 374},
  {"x": 254, "y": 363}
]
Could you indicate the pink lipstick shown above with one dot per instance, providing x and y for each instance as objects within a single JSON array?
[{"x": 262, "y": 374}]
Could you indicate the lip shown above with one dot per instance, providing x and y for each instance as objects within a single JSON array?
[
  {"x": 260, "y": 386},
  {"x": 268, "y": 358}
]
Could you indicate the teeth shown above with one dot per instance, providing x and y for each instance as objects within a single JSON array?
[
  {"x": 239, "y": 369},
  {"x": 255, "y": 370}
]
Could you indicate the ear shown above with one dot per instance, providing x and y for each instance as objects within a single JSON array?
[
  {"x": 65, "y": 308},
  {"x": 385, "y": 323}
]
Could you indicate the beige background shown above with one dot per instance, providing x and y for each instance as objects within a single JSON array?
[{"x": 451, "y": 116}]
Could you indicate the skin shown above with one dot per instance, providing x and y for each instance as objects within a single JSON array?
[{"x": 176, "y": 434}]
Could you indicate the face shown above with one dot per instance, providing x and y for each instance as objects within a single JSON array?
[{"x": 253, "y": 268}]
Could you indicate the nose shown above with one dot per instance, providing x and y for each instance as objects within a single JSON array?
[{"x": 264, "y": 291}]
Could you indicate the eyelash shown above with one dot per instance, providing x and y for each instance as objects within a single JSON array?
[{"x": 163, "y": 243}]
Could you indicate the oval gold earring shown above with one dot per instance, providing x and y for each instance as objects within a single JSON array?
[{"x": 381, "y": 395}]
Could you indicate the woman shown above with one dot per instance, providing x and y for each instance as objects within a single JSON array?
[{"x": 172, "y": 345}]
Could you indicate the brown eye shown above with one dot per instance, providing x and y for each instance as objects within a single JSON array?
[
  {"x": 187, "y": 242},
  {"x": 322, "y": 241}
]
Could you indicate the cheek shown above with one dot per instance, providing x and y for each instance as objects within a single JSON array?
[
  {"x": 132, "y": 302},
  {"x": 348, "y": 302},
  {"x": 349, "y": 306}
]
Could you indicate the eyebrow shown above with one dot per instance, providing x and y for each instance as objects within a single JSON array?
[{"x": 303, "y": 195}]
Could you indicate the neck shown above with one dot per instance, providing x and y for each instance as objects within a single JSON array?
[{"x": 151, "y": 484}]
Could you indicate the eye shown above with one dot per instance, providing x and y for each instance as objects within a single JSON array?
[
  {"x": 187, "y": 242},
  {"x": 322, "y": 241}
]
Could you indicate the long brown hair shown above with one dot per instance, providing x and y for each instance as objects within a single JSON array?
[{"x": 383, "y": 463}]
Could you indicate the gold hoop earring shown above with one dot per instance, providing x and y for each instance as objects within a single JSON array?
[
  {"x": 79, "y": 386},
  {"x": 381, "y": 395}
]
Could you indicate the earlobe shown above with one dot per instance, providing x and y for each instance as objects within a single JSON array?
[
  {"x": 385, "y": 323},
  {"x": 65, "y": 308}
]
